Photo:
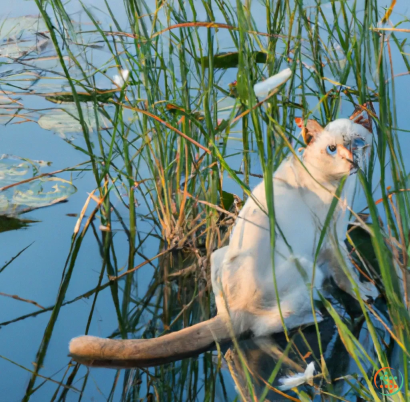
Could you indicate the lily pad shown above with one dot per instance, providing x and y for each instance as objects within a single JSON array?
[
  {"x": 231, "y": 59},
  {"x": 21, "y": 37},
  {"x": 19, "y": 194},
  {"x": 64, "y": 121},
  {"x": 16, "y": 27},
  {"x": 99, "y": 96}
]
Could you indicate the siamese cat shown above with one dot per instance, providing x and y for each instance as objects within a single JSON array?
[{"x": 248, "y": 298}]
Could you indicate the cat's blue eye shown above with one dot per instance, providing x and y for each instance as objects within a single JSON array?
[{"x": 331, "y": 150}]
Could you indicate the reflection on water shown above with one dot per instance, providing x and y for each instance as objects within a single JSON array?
[
  {"x": 269, "y": 359},
  {"x": 263, "y": 354},
  {"x": 169, "y": 293}
]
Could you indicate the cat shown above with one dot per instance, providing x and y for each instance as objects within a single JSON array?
[{"x": 242, "y": 272}]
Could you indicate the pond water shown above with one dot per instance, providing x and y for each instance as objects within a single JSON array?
[{"x": 36, "y": 273}]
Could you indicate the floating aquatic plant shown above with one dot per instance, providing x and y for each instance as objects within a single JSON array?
[{"x": 22, "y": 191}]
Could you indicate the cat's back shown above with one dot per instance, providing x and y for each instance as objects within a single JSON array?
[
  {"x": 299, "y": 213},
  {"x": 251, "y": 230}
]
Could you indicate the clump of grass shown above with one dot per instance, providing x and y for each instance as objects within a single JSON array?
[{"x": 168, "y": 150}]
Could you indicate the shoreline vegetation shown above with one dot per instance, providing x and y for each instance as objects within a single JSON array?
[{"x": 176, "y": 145}]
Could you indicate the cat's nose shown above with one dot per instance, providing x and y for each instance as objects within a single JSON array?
[{"x": 345, "y": 153}]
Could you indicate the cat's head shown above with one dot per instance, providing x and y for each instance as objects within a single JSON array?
[{"x": 336, "y": 150}]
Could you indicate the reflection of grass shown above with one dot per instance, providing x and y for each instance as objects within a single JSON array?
[
  {"x": 183, "y": 190},
  {"x": 9, "y": 223}
]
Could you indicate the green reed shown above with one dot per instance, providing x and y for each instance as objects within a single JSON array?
[{"x": 167, "y": 148}]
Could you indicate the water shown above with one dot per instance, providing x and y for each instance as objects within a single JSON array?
[{"x": 36, "y": 274}]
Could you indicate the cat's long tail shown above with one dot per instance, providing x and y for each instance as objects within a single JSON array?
[{"x": 99, "y": 352}]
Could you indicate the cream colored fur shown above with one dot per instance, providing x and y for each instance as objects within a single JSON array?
[{"x": 242, "y": 273}]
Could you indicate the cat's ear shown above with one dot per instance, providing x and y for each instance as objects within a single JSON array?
[
  {"x": 363, "y": 115},
  {"x": 310, "y": 131}
]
